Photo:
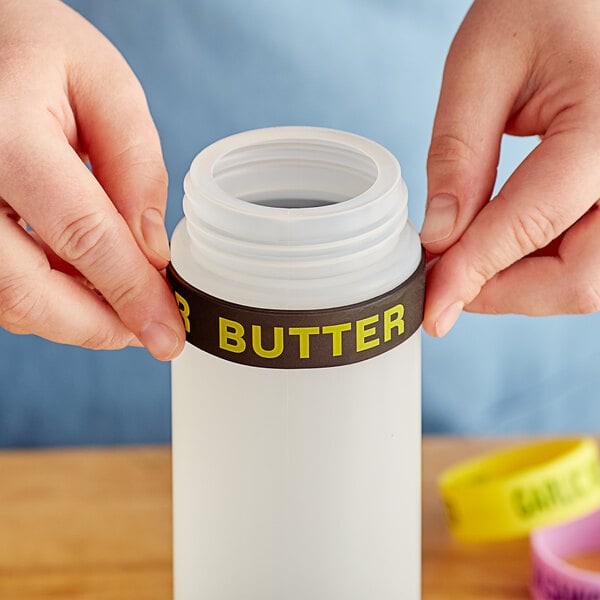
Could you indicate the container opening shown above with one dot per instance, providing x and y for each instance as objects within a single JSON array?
[
  {"x": 295, "y": 173},
  {"x": 292, "y": 202}
]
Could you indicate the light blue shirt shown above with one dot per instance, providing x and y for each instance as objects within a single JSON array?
[{"x": 212, "y": 68}]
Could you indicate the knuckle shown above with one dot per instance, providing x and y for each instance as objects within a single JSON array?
[
  {"x": 102, "y": 340},
  {"x": 478, "y": 274},
  {"x": 533, "y": 230},
  {"x": 140, "y": 154},
  {"x": 464, "y": 270},
  {"x": 20, "y": 304},
  {"x": 155, "y": 171},
  {"x": 476, "y": 270},
  {"x": 131, "y": 292},
  {"x": 585, "y": 297},
  {"x": 449, "y": 148},
  {"x": 83, "y": 239}
]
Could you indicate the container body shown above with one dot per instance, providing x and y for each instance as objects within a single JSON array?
[{"x": 296, "y": 483}]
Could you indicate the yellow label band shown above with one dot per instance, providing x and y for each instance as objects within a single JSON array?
[
  {"x": 295, "y": 339},
  {"x": 509, "y": 493}
]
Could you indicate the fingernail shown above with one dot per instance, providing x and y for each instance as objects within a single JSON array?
[
  {"x": 440, "y": 218},
  {"x": 154, "y": 232},
  {"x": 447, "y": 318},
  {"x": 161, "y": 340}
]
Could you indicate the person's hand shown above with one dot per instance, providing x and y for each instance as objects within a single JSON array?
[
  {"x": 85, "y": 270},
  {"x": 525, "y": 68}
]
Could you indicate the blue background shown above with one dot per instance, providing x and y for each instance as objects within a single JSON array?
[{"x": 368, "y": 66}]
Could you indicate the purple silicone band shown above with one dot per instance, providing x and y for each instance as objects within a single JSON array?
[{"x": 553, "y": 578}]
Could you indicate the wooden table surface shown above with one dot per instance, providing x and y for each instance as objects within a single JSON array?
[{"x": 94, "y": 524}]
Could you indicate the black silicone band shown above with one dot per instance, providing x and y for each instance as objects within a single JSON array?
[{"x": 299, "y": 339}]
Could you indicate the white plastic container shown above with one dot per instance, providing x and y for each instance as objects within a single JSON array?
[{"x": 297, "y": 482}]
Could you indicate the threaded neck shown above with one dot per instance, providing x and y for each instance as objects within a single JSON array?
[{"x": 296, "y": 213}]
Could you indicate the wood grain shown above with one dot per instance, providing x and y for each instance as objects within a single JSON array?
[
  {"x": 95, "y": 524},
  {"x": 85, "y": 524},
  {"x": 453, "y": 570}
]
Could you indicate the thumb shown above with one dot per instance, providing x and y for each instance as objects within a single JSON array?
[
  {"x": 482, "y": 78},
  {"x": 536, "y": 205},
  {"x": 120, "y": 138}
]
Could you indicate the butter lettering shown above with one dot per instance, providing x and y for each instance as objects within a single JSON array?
[
  {"x": 184, "y": 309},
  {"x": 304, "y": 334},
  {"x": 393, "y": 318},
  {"x": 363, "y": 331},
  {"x": 336, "y": 332},
  {"x": 277, "y": 342},
  {"x": 231, "y": 336}
]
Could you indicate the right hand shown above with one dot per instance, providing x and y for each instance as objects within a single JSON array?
[
  {"x": 523, "y": 68},
  {"x": 87, "y": 270}
]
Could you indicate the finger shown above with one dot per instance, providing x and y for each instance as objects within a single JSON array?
[
  {"x": 37, "y": 299},
  {"x": 54, "y": 192},
  {"x": 475, "y": 103},
  {"x": 567, "y": 282},
  {"x": 118, "y": 133},
  {"x": 537, "y": 204},
  {"x": 55, "y": 261}
]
